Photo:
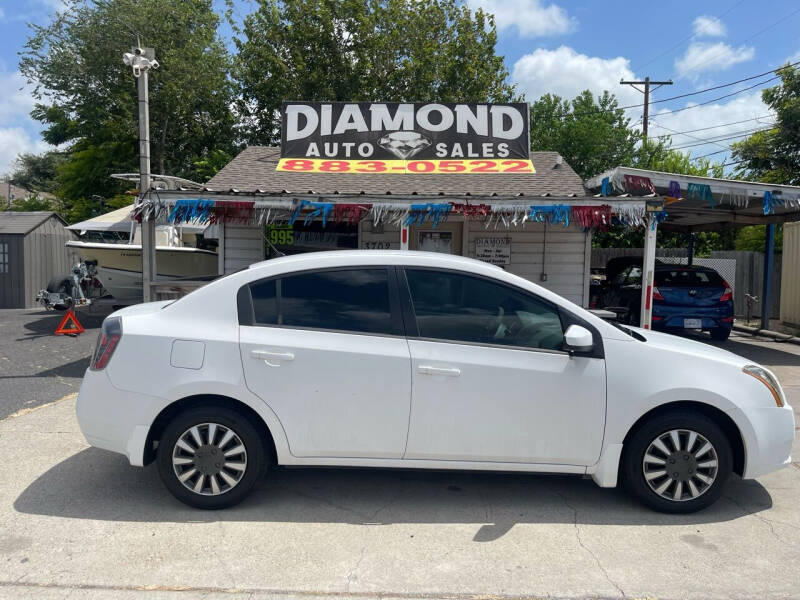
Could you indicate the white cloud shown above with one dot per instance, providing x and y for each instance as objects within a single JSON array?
[
  {"x": 18, "y": 132},
  {"x": 704, "y": 56},
  {"x": 532, "y": 18},
  {"x": 565, "y": 72},
  {"x": 13, "y": 142},
  {"x": 706, "y": 26},
  {"x": 744, "y": 107}
]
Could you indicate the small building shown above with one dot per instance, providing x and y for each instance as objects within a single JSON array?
[{"x": 32, "y": 252}]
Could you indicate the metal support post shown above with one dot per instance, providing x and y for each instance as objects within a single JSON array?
[
  {"x": 690, "y": 250},
  {"x": 766, "y": 292},
  {"x": 648, "y": 269},
  {"x": 148, "y": 225}
]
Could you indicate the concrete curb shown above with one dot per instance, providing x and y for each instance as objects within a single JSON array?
[{"x": 773, "y": 335}]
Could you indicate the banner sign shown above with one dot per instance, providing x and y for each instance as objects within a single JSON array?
[{"x": 392, "y": 137}]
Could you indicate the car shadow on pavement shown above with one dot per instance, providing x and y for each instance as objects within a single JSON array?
[
  {"x": 99, "y": 485},
  {"x": 753, "y": 350},
  {"x": 48, "y": 321}
]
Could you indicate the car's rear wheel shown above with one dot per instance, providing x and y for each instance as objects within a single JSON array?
[
  {"x": 210, "y": 457},
  {"x": 720, "y": 334},
  {"x": 678, "y": 462}
]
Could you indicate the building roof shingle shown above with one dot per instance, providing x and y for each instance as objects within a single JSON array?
[
  {"x": 12, "y": 222},
  {"x": 254, "y": 169}
]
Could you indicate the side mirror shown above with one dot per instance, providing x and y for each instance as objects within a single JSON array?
[{"x": 578, "y": 339}]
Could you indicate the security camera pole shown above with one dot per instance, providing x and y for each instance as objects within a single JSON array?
[{"x": 142, "y": 60}]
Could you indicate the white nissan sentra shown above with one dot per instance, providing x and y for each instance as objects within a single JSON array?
[{"x": 405, "y": 359}]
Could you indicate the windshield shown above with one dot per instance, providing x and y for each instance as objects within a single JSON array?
[{"x": 688, "y": 278}]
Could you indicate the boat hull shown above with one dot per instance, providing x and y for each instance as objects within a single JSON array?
[{"x": 119, "y": 266}]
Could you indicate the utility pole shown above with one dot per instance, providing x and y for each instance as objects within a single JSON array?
[
  {"x": 142, "y": 60},
  {"x": 646, "y": 91}
]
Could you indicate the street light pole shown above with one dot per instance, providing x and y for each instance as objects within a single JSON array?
[{"x": 142, "y": 60}]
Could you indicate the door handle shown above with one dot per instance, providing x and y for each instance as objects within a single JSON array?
[
  {"x": 446, "y": 371},
  {"x": 271, "y": 358}
]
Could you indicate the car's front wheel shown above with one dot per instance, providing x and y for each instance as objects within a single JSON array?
[
  {"x": 678, "y": 462},
  {"x": 210, "y": 457}
]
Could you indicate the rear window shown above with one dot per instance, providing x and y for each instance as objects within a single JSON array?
[{"x": 687, "y": 277}]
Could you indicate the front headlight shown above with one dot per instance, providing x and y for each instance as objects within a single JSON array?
[{"x": 768, "y": 379}]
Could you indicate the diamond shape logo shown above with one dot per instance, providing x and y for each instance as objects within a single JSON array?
[{"x": 404, "y": 144}]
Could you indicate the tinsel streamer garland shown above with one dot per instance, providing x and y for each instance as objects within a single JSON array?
[
  {"x": 191, "y": 210},
  {"x": 674, "y": 189},
  {"x": 232, "y": 212},
  {"x": 593, "y": 217},
  {"x": 629, "y": 215},
  {"x": 605, "y": 187},
  {"x": 350, "y": 214},
  {"x": 419, "y": 213},
  {"x": 470, "y": 210},
  {"x": 318, "y": 209},
  {"x": 701, "y": 191},
  {"x": 639, "y": 185},
  {"x": 769, "y": 203},
  {"x": 550, "y": 213}
]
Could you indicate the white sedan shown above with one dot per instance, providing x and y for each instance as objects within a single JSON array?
[{"x": 405, "y": 359}]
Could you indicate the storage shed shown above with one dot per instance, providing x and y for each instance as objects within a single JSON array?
[{"x": 32, "y": 252}]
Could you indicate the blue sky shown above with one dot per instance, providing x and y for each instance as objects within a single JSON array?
[{"x": 562, "y": 47}]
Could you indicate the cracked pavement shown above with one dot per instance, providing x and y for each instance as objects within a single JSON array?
[{"x": 79, "y": 522}]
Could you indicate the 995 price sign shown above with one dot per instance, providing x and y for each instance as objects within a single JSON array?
[{"x": 319, "y": 165}]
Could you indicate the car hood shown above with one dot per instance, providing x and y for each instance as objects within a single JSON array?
[{"x": 680, "y": 344}]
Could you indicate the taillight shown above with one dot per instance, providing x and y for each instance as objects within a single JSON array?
[
  {"x": 656, "y": 294},
  {"x": 727, "y": 294},
  {"x": 107, "y": 342}
]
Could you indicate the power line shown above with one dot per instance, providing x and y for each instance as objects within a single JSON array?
[
  {"x": 646, "y": 93},
  {"x": 706, "y": 128},
  {"x": 677, "y": 110},
  {"x": 689, "y": 136},
  {"x": 730, "y": 137},
  {"x": 747, "y": 39},
  {"x": 606, "y": 110},
  {"x": 687, "y": 38}
]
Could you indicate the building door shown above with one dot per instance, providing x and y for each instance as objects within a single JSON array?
[{"x": 446, "y": 238}]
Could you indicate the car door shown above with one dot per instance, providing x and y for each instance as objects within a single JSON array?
[
  {"x": 490, "y": 381},
  {"x": 324, "y": 349}
]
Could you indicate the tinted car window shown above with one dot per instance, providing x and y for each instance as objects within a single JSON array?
[
  {"x": 449, "y": 306},
  {"x": 265, "y": 305},
  {"x": 348, "y": 300},
  {"x": 687, "y": 277}
]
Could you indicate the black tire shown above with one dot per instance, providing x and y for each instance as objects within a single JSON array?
[
  {"x": 633, "y": 468},
  {"x": 720, "y": 334},
  {"x": 255, "y": 460}
]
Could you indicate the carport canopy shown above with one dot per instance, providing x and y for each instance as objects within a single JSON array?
[{"x": 694, "y": 203}]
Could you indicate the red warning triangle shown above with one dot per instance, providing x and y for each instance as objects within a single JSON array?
[{"x": 76, "y": 327}]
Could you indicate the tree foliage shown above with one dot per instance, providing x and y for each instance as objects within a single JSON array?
[
  {"x": 591, "y": 133},
  {"x": 37, "y": 172},
  {"x": 773, "y": 156},
  {"x": 391, "y": 50},
  {"x": 87, "y": 98}
]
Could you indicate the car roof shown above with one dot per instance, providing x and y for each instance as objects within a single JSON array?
[{"x": 345, "y": 258}]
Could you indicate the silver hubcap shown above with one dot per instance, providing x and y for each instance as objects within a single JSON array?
[
  {"x": 209, "y": 459},
  {"x": 680, "y": 465}
]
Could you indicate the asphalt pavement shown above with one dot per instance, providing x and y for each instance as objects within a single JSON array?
[
  {"x": 79, "y": 522},
  {"x": 36, "y": 366}
]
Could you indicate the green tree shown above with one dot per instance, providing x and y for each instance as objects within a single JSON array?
[
  {"x": 37, "y": 172},
  {"x": 392, "y": 50},
  {"x": 34, "y": 202},
  {"x": 87, "y": 98},
  {"x": 591, "y": 133},
  {"x": 773, "y": 156}
]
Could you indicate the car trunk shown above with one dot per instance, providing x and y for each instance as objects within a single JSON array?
[{"x": 687, "y": 287}]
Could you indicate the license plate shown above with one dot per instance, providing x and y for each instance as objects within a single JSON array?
[{"x": 692, "y": 323}]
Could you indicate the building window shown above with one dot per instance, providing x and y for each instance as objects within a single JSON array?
[{"x": 3, "y": 257}]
